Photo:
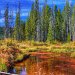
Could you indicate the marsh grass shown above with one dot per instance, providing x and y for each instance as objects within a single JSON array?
[{"x": 22, "y": 47}]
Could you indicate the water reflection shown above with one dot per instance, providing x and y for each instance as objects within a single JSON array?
[
  {"x": 44, "y": 65},
  {"x": 23, "y": 71}
]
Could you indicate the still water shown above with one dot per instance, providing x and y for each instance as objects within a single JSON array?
[{"x": 45, "y": 65}]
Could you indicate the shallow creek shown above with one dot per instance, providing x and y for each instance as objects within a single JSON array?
[{"x": 46, "y": 64}]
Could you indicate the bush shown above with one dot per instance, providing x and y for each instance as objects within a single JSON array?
[
  {"x": 3, "y": 67},
  {"x": 73, "y": 55}
]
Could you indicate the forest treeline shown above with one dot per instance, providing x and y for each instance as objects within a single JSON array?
[{"x": 49, "y": 24}]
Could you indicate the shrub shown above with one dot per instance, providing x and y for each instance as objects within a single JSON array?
[{"x": 73, "y": 55}]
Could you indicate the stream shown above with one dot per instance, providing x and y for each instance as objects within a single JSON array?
[{"x": 46, "y": 64}]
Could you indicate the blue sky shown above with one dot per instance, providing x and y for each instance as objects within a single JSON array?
[{"x": 26, "y": 7}]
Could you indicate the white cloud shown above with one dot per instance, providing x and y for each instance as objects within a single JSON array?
[
  {"x": 1, "y": 20},
  {"x": 14, "y": 14},
  {"x": 24, "y": 14},
  {"x": 31, "y": 0},
  {"x": 25, "y": 10},
  {"x": 2, "y": 11},
  {"x": 57, "y": 2}
]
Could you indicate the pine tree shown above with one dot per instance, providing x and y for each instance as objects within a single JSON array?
[
  {"x": 67, "y": 19},
  {"x": 50, "y": 30},
  {"x": 17, "y": 28},
  {"x": 6, "y": 15},
  {"x": 37, "y": 20},
  {"x": 55, "y": 10},
  {"x": 28, "y": 30},
  {"x": 73, "y": 24},
  {"x": 45, "y": 21},
  {"x": 30, "y": 25},
  {"x": 11, "y": 24},
  {"x": 58, "y": 26},
  {"x": 22, "y": 30},
  {"x": 34, "y": 23}
]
